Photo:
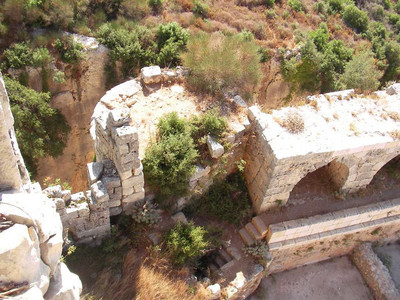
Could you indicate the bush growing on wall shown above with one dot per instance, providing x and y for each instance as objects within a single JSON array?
[
  {"x": 220, "y": 63},
  {"x": 171, "y": 160}
]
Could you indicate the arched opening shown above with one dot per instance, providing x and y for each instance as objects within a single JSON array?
[
  {"x": 388, "y": 177},
  {"x": 323, "y": 182}
]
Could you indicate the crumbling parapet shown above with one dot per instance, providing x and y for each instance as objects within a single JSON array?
[
  {"x": 351, "y": 138},
  {"x": 13, "y": 173}
]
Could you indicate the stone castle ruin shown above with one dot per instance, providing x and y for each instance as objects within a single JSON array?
[{"x": 349, "y": 137}]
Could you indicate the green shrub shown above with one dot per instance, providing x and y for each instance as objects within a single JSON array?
[
  {"x": 185, "y": 243},
  {"x": 156, "y": 5},
  {"x": 265, "y": 54},
  {"x": 200, "y": 9},
  {"x": 377, "y": 12},
  {"x": 361, "y": 73},
  {"x": 170, "y": 161},
  {"x": 269, "y": 3},
  {"x": 146, "y": 213},
  {"x": 392, "y": 55},
  {"x": 221, "y": 63},
  {"x": 296, "y": 5},
  {"x": 40, "y": 129},
  {"x": 171, "y": 41},
  {"x": 21, "y": 55},
  {"x": 226, "y": 200},
  {"x": 397, "y": 6},
  {"x": 320, "y": 36},
  {"x": 393, "y": 18},
  {"x": 59, "y": 77},
  {"x": 386, "y": 4},
  {"x": 69, "y": 50},
  {"x": 337, "y": 6},
  {"x": 355, "y": 18},
  {"x": 208, "y": 123}
]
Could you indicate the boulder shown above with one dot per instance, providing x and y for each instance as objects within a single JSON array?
[
  {"x": 215, "y": 148},
  {"x": 64, "y": 285},
  {"x": 24, "y": 209},
  {"x": 394, "y": 89},
  {"x": 215, "y": 291},
  {"x": 20, "y": 257},
  {"x": 33, "y": 293},
  {"x": 151, "y": 75}
]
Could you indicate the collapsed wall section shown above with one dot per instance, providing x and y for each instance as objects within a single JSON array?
[{"x": 353, "y": 137}]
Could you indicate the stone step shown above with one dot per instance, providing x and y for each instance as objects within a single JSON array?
[
  {"x": 213, "y": 267},
  {"x": 253, "y": 231},
  {"x": 219, "y": 261},
  {"x": 246, "y": 238},
  {"x": 228, "y": 265},
  {"x": 225, "y": 255},
  {"x": 260, "y": 226},
  {"x": 232, "y": 251}
]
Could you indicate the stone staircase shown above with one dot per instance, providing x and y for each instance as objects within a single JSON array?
[
  {"x": 226, "y": 257},
  {"x": 254, "y": 231}
]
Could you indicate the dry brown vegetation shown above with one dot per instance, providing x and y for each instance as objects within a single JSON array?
[
  {"x": 144, "y": 278},
  {"x": 293, "y": 122}
]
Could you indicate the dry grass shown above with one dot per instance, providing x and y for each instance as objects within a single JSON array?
[
  {"x": 314, "y": 103},
  {"x": 336, "y": 116},
  {"x": 353, "y": 128},
  {"x": 394, "y": 115},
  {"x": 143, "y": 279},
  {"x": 395, "y": 134},
  {"x": 293, "y": 122}
]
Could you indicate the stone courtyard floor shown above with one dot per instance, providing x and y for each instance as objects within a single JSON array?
[{"x": 328, "y": 280}]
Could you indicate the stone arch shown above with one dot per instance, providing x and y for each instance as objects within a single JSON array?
[
  {"x": 382, "y": 164},
  {"x": 334, "y": 172}
]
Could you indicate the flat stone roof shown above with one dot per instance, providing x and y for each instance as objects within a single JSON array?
[{"x": 338, "y": 121}]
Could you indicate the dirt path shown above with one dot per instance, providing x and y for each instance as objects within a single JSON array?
[
  {"x": 313, "y": 195},
  {"x": 328, "y": 280}
]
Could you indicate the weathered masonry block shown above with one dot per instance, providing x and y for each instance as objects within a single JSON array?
[{"x": 352, "y": 137}]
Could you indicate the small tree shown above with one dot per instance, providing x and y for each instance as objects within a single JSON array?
[
  {"x": 40, "y": 129},
  {"x": 355, "y": 18},
  {"x": 186, "y": 242},
  {"x": 361, "y": 73}
]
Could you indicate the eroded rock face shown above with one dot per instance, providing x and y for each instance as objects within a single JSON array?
[{"x": 31, "y": 246}]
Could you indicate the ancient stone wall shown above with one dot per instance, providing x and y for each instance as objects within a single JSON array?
[
  {"x": 351, "y": 137},
  {"x": 375, "y": 274},
  {"x": 302, "y": 241},
  {"x": 13, "y": 173}
]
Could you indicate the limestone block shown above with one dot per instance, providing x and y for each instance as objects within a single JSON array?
[
  {"x": 239, "y": 101},
  {"x": 115, "y": 203},
  {"x": 125, "y": 175},
  {"x": 64, "y": 285},
  {"x": 215, "y": 291},
  {"x": 138, "y": 171},
  {"x": 95, "y": 170},
  {"x": 126, "y": 191},
  {"x": 114, "y": 211},
  {"x": 59, "y": 202},
  {"x": 99, "y": 192},
  {"x": 198, "y": 173},
  {"x": 111, "y": 182},
  {"x": 83, "y": 210},
  {"x": 239, "y": 280},
  {"x": 66, "y": 195},
  {"x": 253, "y": 113},
  {"x": 180, "y": 217},
  {"x": 71, "y": 213},
  {"x": 78, "y": 197},
  {"x": 118, "y": 117},
  {"x": 51, "y": 251},
  {"x": 215, "y": 148},
  {"x": 133, "y": 181},
  {"x": 151, "y": 75},
  {"x": 134, "y": 197},
  {"x": 33, "y": 293},
  {"x": 20, "y": 257},
  {"x": 394, "y": 89},
  {"x": 230, "y": 291},
  {"x": 124, "y": 135}
]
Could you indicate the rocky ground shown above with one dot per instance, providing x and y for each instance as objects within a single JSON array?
[{"x": 329, "y": 280}]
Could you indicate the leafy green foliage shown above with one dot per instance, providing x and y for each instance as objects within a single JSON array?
[
  {"x": 296, "y": 5},
  {"x": 320, "y": 37},
  {"x": 171, "y": 40},
  {"x": 40, "y": 129},
  {"x": 200, "y": 9},
  {"x": 156, "y": 5},
  {"x": 355, "y": 18},
  {"x": 171, "y": 160},
  {"x": 221, "y": 63},
  {"x": 226, "y": 200},
  {"x": 209, "y": 123},
  {"x": 21, "y": 55},
  {"x": 69, "y": 50},
  {"x": 361, "y": 73},
  {"x": 185, "y": 243}
]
